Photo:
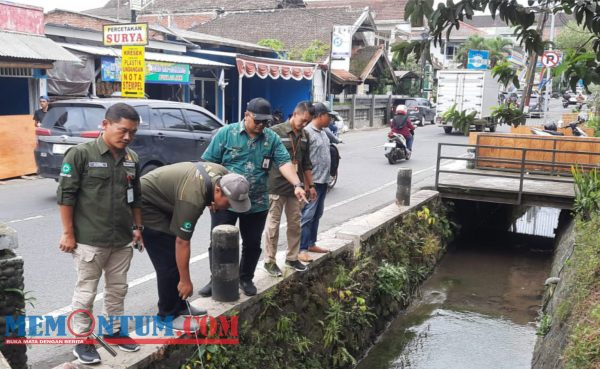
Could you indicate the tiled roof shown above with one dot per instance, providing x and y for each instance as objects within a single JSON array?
[
  {"x": 111, "y": 8},
  {"x": 296, "y": 28},
  {"x": 345, "y": 77},
  {"x": 363, "y": 61},
  {"x": 382, "y": 9}
]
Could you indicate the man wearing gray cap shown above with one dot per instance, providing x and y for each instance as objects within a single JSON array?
[
  {"x": 173, "y": 198},
  {"x": 250, "y": 149}
]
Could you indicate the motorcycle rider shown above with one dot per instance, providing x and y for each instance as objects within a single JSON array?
[{"x": 401, "y": 124}]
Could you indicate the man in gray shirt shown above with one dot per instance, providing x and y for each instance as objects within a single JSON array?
[{"x": 318, "y": 143}]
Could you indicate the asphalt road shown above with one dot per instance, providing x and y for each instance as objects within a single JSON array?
[{"x": 366, "y": 183}]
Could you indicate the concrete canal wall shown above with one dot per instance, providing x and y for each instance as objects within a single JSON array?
[
  {"x": 569, "y": 327},
  {"x": 328, "y": 316}
]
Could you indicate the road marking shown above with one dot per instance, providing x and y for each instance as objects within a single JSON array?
[
  {"x": 67, "y": 309},
  {"x": 25, "y": 219}
]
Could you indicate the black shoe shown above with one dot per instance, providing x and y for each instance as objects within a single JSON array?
[
  {"x": 123, "y": 342},
  {"x": 206, "y": 291},
  {"x": 86, "y": 353},
  {"x": 295, "y": 264},
  {"x": 248, "y": 288},
  {"x": 273, "y": 269}
]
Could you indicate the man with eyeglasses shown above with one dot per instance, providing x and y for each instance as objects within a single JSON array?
[{"x": 250, "y": 149}]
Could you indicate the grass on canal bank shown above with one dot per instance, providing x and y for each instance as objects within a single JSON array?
[
  {"x": 582, "y": 310},
  {"x": 328, "y": 317}
]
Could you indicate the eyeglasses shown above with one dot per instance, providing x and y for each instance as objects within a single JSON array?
[{"x": 265, "y": 122}]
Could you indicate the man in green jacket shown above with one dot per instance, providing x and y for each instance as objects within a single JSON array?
[
  {"x": 99, "y": 198},
  {"x": 281, "y": 192},
  {"x": 175, "y": 197}
]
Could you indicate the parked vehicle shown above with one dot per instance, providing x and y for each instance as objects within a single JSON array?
[
  {"x": 578, "y": 132},
  {"x": 569, "y": 98},
  {"x": 335, "y": 164},
  {"x": 169, "y": 132},
  {"x": 395, "y": 149},
  {"x": 468, "y": 90},
  {"x": 420, "y": 110},
  {"x": 535, "y": 106}
]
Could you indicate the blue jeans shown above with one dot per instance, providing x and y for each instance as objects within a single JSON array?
[
  {"x": 311, "y": 214},
  {"x": 409, "y": 141}
]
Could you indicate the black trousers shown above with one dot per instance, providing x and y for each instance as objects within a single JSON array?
[
  {"x": 251, "y": 229},
  {"x": 161, "y": 249}
]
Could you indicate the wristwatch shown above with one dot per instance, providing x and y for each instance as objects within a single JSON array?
[
  {"x": 299, "y": 184},
  {"x": 312, "y": 185},
  {"x": 137, "y": 227}
]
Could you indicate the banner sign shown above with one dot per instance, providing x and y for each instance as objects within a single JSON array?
[
  {"x": 478, "y": 59},
  {"x": 156, "y": 72},
  {"x": 125, "y": 34},
  {"x": 341, "y": 42},
  {"x": 133, "y": 71}
]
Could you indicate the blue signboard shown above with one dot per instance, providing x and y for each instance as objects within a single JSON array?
[{"x": 478, "y": 59}]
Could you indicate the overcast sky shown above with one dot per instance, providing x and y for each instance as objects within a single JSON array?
[{"x": 76, "y": 5}]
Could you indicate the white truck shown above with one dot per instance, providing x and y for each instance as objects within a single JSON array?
[{"x": 470, "y": 90}]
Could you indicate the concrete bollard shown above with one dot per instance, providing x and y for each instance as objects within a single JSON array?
[
  {"x": 225, "y": 263},
  {"x": 403, "y": 186}
]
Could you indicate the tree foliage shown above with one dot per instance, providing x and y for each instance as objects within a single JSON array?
[
  {"x": 448, "y": 16},
  {"x": 572, "y": 36},
  {"x": 505, "y": 74},
  {"x": 417, "y": 11},
  {"x": 274, "y": 44}
]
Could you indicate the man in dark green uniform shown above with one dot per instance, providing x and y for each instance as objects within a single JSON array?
[
  {"x": 99, "y": 198},
  {"x": 174, "y": 198},
  {"x": 281, "y": 192}
]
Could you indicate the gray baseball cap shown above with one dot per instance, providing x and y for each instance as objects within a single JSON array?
[{"x": 235, "y": 187}]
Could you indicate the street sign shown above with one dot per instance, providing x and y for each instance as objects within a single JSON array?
[
  {"x": 341, "y": 42},
  {"x": 478, "y": 59},
  {"x": 133, "y": 70},
  {"x": 551, "y": 58},
  {"x": 125, "y": 34}
]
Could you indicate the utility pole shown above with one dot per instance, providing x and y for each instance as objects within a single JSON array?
[
  {"x": 133, "y": 16},
  {"x": 530, "y": 75},
  {"x": 327, "y": 96},
  {"x": 548, "y": 72}
]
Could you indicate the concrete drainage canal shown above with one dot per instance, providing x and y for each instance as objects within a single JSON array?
[{"x": 480, "y": 307}]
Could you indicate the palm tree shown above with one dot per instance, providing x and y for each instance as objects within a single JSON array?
[
  {"x": 417, "y": 11},
  {"x": 497, "y": 46}
]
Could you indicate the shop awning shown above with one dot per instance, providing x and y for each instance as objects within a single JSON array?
[
  {"x": 274, "y": 68},
  {"x": 170, "y": 58},
  {"x": 32, "y": 47}
]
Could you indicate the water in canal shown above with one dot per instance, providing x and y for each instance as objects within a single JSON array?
[{"x": 477, "y": 311}]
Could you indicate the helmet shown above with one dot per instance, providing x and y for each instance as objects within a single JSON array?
[
  {"x": 401, "y": 109},
  {"x": 550, "y": 126}
]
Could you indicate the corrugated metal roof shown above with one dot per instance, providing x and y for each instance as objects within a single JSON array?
[
  {"x": 22, "y": 46},
  {"x": 182, "y": 59}
]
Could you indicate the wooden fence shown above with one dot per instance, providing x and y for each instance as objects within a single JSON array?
[
  {"x": 551, "y": 154},
  {"x": 17, "y": 142},
  {"x": 526, "y": 130}
]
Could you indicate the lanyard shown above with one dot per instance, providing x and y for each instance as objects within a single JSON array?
[{"x": 294, "y": 146}]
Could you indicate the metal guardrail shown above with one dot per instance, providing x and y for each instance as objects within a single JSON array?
[{"x": 520, "y": 172}]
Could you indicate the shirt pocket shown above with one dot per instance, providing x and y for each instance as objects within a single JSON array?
[{"x": 97, "y": 178}]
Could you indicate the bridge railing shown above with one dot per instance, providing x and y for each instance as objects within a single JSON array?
[{"x": 511, "y": 167}]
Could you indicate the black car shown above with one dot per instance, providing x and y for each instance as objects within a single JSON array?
[
  {"x": 169, "y": 132},
  {"x": 419, "y": 109}
]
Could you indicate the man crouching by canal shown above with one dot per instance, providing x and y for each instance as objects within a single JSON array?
[
  {"x": 174, "y": 197},
  {"x": 99, "y": 198}
]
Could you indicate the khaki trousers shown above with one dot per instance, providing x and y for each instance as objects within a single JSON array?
[
  {"x": 90, "y": 262},
  {"x": 292, "y": 207}
]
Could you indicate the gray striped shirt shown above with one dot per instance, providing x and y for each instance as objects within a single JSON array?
[{"x": 319, "y": 153}]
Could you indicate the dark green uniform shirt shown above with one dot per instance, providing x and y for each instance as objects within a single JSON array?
[
  {"x": 174, "y": 197},
  {"x": 297, "y": 147},
  {"x": 96, "y": 185}
]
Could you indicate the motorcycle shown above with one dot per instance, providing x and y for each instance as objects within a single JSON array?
[
  {"x": 552, "y": 130},
  {"x": 395, "y": 149},
  {"x": 578, "y": 132},
  {"x": 569, "y": 99}
]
